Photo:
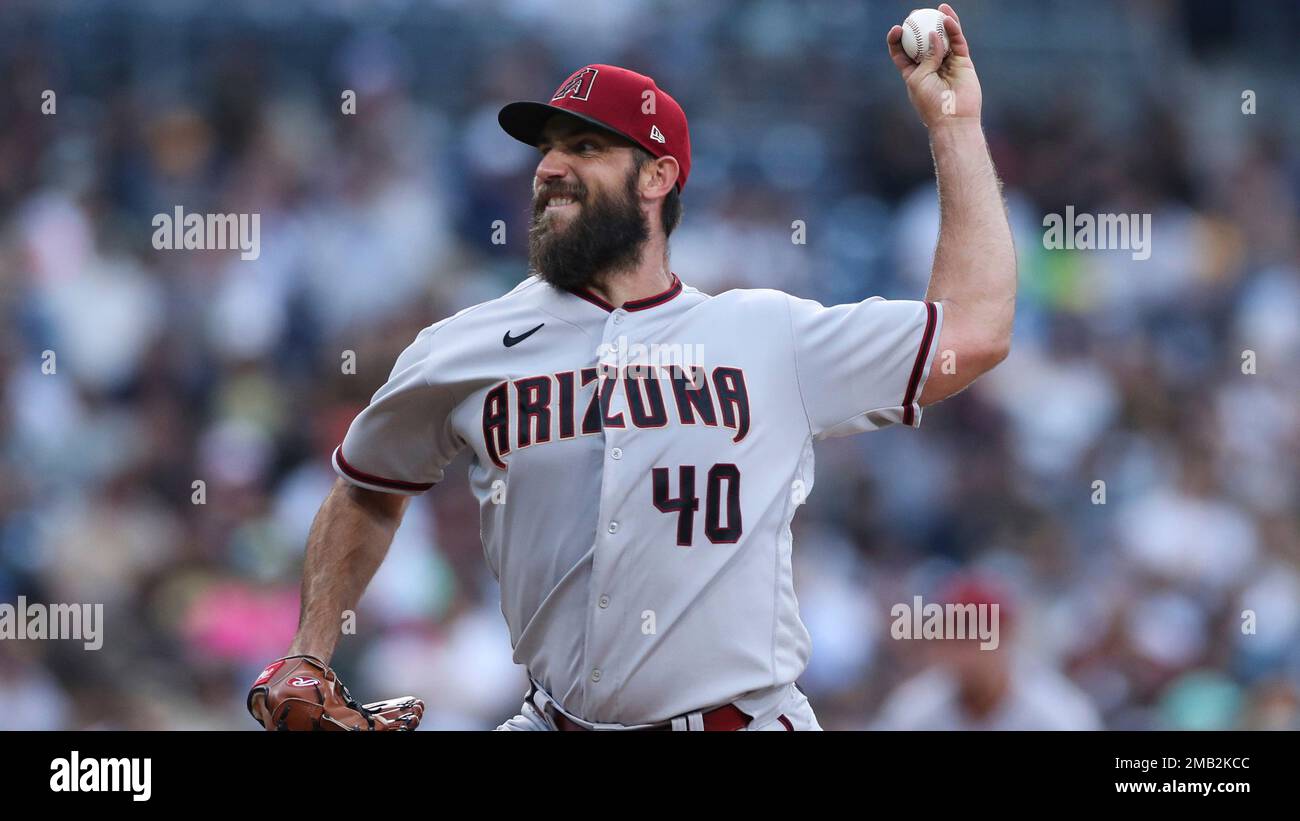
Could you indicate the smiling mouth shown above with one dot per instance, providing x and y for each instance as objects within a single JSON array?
[{"x": 558, "y": 202}]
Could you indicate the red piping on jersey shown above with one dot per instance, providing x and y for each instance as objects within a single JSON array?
[
  {"x": 362, "y": 476},
  {"x": 931, "y": 314},
  {"x": 781, "y": 718},
  {"x": 635, "y": 304}
]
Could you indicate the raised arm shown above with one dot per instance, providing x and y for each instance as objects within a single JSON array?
[{"x": 974, "y": 274}]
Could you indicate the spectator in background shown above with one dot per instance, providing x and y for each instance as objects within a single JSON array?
[{"x": 972, "y": 688}]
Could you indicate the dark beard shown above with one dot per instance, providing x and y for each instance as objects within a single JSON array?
[{"x": 605, "y": 237}]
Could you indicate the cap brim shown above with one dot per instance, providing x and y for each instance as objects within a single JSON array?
[{"x": 525, "y": 120}]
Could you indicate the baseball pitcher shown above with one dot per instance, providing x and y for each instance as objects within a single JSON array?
[{"x": 640, "y": 447}]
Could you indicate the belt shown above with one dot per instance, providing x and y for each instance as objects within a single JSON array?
[{"x": 726, "y": 718}]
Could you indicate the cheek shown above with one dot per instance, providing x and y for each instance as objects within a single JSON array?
[{"x": 586, "y": 181}]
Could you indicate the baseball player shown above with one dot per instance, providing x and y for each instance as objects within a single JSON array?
[{"x": 640, "y": 447}]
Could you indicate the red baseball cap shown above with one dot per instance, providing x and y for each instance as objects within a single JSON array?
[
  {"x": 615, "y": 99},
  {"x": 972, "y": 588}
]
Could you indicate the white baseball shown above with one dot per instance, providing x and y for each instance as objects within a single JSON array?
[{"x": 916, "y": 33}]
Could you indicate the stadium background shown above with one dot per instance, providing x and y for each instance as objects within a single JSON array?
[{"x": 174, "y": 366}]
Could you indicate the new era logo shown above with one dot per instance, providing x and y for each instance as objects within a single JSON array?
[{"x": 656, "y": 134}]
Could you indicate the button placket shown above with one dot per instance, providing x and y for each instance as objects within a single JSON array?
[
  {"x": 610, "y": 499},
  {"x": 609, "y": 365}
]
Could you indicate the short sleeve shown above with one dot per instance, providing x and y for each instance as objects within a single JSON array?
[
  {"x": 403, "y": 439},
  {"x": 862, "y": 366}
]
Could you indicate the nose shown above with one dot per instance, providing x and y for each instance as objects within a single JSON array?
[{"x": 552, "y": 168}]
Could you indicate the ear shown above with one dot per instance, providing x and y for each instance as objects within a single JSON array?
[{"x": 659, "y": 177}]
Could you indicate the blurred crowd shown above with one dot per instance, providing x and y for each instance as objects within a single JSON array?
[{"x": 1125, "y": 484}]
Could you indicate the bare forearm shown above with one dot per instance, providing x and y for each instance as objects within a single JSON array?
[
  {"x": 347, "y": 542},
  {"x": 975, "y": 261}
]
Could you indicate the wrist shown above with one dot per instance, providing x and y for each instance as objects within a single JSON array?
[
  {"x": 957, "y": 134},
  {"x": 303, "y": 646},
  {"x": 953, "y": 122}
]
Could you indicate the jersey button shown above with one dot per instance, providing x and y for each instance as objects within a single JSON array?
[
  {"x": 595, "y": 674},
  {"x": 613, "y": 527},
  {"x": 604, "y": 602},
  {"x": 618, "y": 319},
  {"x": 616, "y": 453}
]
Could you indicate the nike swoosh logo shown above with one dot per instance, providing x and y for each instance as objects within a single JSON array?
[{"x": 509, "y": 340}]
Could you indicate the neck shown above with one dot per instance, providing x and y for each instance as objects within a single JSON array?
[{"x": 650, "y": 277}]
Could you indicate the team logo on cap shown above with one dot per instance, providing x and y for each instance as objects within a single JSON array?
[
  {"x": 656, "y": 134},
  {"x": 578, "y": 86}
]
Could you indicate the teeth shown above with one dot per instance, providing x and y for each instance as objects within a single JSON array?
[{"x": 560, "y": 201}]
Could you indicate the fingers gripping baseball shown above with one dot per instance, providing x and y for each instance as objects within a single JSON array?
[
  {"x": 932, "y": 54},
  {"x": 302, "y": 693}
]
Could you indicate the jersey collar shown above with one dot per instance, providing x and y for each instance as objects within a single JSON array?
[{"x": 636, "y": 304}]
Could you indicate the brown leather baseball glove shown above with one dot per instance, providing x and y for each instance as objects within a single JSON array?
[{"x": 303, "y": 693}]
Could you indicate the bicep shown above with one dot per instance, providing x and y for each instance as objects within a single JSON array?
[{"x": 965, "y": 351}]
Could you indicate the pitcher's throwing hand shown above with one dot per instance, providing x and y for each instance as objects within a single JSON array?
[{"x": 943, "y": 85}]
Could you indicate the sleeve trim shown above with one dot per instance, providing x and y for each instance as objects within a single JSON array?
[
  {"x": 918, "y": 367},
  {"x": 364, "y": 479}
]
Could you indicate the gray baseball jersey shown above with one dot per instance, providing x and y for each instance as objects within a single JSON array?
[{"x": 637, "y": 469}]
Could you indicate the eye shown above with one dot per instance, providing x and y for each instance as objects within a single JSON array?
[{"x": 587, "y": 146}]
